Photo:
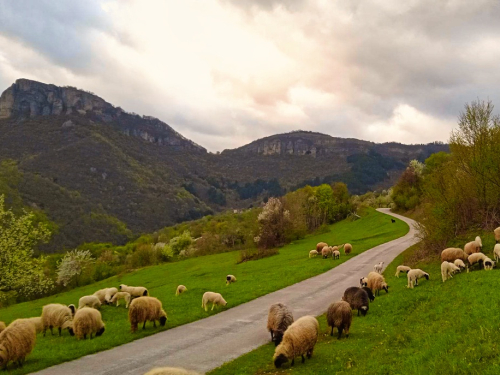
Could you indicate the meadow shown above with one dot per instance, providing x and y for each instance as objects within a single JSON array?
[{"x": 207, "y": 273}]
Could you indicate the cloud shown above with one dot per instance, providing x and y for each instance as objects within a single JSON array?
[{"x": 226, "y": 72}]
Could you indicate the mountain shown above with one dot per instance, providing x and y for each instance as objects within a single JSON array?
[{"x": 99, "y": 173}]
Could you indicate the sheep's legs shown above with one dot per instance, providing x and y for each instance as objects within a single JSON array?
[
  {"x": 309, "y": 354},
  {"x": 60, "y": 329},
  {"x": 213, "y": 305},
  {"x": 340, "y": 333},
  {"x": 272, "y": 337},
  {"x": 154, "y": 323},
  {"x": 331, "y": 333}
]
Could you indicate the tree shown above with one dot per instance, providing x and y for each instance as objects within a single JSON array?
[
  {"x": 73, "y": 264},
  {"x": 274, "y": 221},
  {"x": 20, "y": 273}
]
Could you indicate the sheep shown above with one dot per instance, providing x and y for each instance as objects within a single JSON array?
[
  {"x": 180, "y": 289},
  {"x": 347, "y": 248},
  {"x": 459, "y": 263},
  {"x": 452, "y": 253},
  {"x": 230, "y": 279},
  {"x": 378, "y": 267},
  {"x": 336, "y": 254},
  {"x": 414, "y": 275},
  {"x": 393, "y": 221},
  {"x": 89, "y": 301},
  {"x": 2, "y": 326},
  {"x": 59, "y": 316},
  {"x": 145, "y": 309},
  {"x": 313, "y": 253},
  {"x": 278, "y": 320},
  {"x": 478, "y": 240},
  {"x": 121, "y": 295},
  {"x": 368, "y": 291},
  {"x": 476, "y": 258},
  {"x": 339, "y": 314},
  {"x": 357, "y": 298},
  {"x": 496, "y": 232},
  {"x": 299, "y": 339},
  {"x": 320, "y": 246},
  {"x": 326, "y": 252},
  {"x": 215, "y": 298},
  {"x": 488, "y": 264},
  {"x": 37, "y": 321},
  {"x": 376, "y": 283},
  {"x": 110, "y": 292},
  {"x": 447, "y": 270},
  {"x": 334, "y": 248},
  {"x": 496, "y": 252},
  {"x": 170, "y": 371},
  {"x": 88, "y": 321},
  {"x": 402, "y": 269},
  {"x": 472, "y": 247},
  {"x": 135, "y": 291},
  {"x": 16, "y": 342},
  {"x": 363, "y": 282},
  {"x": 101, "y": 294}
]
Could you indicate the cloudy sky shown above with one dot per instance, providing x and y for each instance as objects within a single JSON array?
[{"x": 225, "y": 72}]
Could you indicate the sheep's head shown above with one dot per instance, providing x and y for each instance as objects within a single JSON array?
[
  {"x": 278, "y": 337},
  {"x": 386, "y": 288},
  {"x": 364, "y": 310},
  {"x": 279, "y": 360},
  {"x": 100, "y": 332},
  {"x": 73, "y": 309},
  {"x": 71, "y": 332},
  {"x": 145, "y": 293},
  {"x": 163, "y": 321},
  {"x": 371, "y": 296},
  {"x": 426, "y": 276},
  {"x": 121, "y": 285}
]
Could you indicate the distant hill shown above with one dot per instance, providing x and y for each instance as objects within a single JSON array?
[{"x": 102, "y": 174}]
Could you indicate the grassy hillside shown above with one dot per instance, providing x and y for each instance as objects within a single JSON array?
[
  {"x": 201, "y": 274},
  {"x": 449, "y": 328}
]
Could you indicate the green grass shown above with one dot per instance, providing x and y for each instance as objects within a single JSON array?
[
  {"x": 436, "y": 328},
  {"x": 255, "y": 278}
]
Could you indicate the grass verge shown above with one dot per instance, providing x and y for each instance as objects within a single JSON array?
[{"x": 255, "y": 278}]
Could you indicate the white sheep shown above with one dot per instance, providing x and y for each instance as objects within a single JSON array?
[
  {"x": 472, "y": 247},
  {"x": 496, "y": 251},
  {"x": 89, "y": 301},
  {"x": 16, "y": 342},
  {"x": 448, "y": 269},
  {"x": 496, "y": 232},
  {"x": 101, "y": 294},
  {"x": 336, "y": 254},
  {"x": 313, "y": 253},
  {"x": 478, "y": 240},
  {"x": 299, "y": 339},
  {"x": 58, "y": 316},
  {"x": 215, "y": 298},
  {"x": 88, "y": 321},
  {"x": 414, "y": 275},
  {"x": 121, "y": 296},
  {"x": 135, "y": 291},
  {"x": 459, "y": 263},
  {"x": 476, "y": 258},
  {"x": 378, "y": 267},
  {"x": 402, "y": 268},
  {"x": 488, "y": 264},
  {"x": 230, "y": 279},
  {"x": 110, "y": 292},
  {"x": 180, "y": 289}
]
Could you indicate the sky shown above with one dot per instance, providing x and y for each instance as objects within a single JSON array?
[{"x": 226, "y": 72}]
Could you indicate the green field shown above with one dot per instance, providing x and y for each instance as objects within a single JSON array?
[
  {"x": 255, "y": 278},
  {"x": 436, "y": 328}
]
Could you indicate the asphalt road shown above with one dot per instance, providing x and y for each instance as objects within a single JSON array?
[{"x": 208, "y": 343}]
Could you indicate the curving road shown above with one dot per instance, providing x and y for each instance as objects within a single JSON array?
[{"x": 208, "y": 343}]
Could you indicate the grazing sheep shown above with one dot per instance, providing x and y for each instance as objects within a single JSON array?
[
  {"x": 313, "y": 253},
  {"x": 357, "y": 298},
  {"x": 37, "y": 321},
  {"x": 452, "y": 253},
  {"x": 376, "y": 282},
  {"x": 88, "y": 321},
  {"x": 478, "y": 258},
  {"x": 336, "y": 254},
  {"x": 110, "y": 292},
  {"x": 89, "y": 301},
  {"x": 121, "y": 295},
  {"x": 101, "y": 294},
  {"x": 299, "y": 339},
  {"x": 347, "y": 248},
  {"x": 496, "y": 251},
  {"x": 320, "y": 246},
  {"x": 402, "y": 269},
  {"x": 135, "y": 291},
  {"x": 2, "y": 326},
  {"x": 334, "y": 248},
  {"x": 339, "y": 314},
  {"x": 143, "y": 309},
  {"x": 278, "y": 320},
  {"x": 496, "y": 232},
  {"x": 326, "y": 252},
  {"x": 59, "y": 316},
  {"x": 414, "y": 275},
  {"x": 371, "y": 296},
  {"x": 215, "y": 298},
  {"x": 472, "y": 247},
  {"x": 378, "y": 267},
  {"x": 170, "y": 371},
  {"x": 488, "y": 264},
  {"x": 16, "y": 342},
  {"x": 448, "y": 269},
  {"x": 363, "y": 282},
  {"x": 180, "y": 289},
  {"x": 459, "y": 263},
  {"x": 230, "y": 279}
]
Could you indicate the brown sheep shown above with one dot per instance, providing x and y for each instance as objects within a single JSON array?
[
  {"x": 339, "y": 314},
  {"x": 88, "y": 321},
  {"x": 278, "y": 320},
  {"x": 16, "y": 342},
  {"x": 472, "y": 247},
  {"x": 320, "y": 246},
  {"x": 58, "y": 316},
  {"x": 358, "y": 299},
  {"x": 376, "y": 283},
  {"x": 453, "y": 253},
  {"x": 144, "y": 309},
  {"x": 326, "y": 252},
  {"x": 347, "y": 248}
]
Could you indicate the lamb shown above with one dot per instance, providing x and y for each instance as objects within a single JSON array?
[
  {"x": 347, "y": 248},
  {"x": 215, "y": 298},
  {"x": 452, "y": 253},
  {"x": 339, "y": 315},
  {"x": 121, "y": 295},
  {"x": 278, "y": 320},
  {"x": 496, "y": 251},
  {"x": 145, "y": 309},
  {"x": 313, "y": 253},
  {"x": 37, "y": 321},
  {"x": 326, "y": 252},
  {"x": 101, "y": 294},
  {"x": 414, "y": 275},
  {"x": 472, "y": 247},
  {"x": 170, "y": 371},
  {"x": 376, "y": 282},
  {"x": 16, "y": 342},
  {"x": 488, "y": 264},
  {"x": 135, "y": 291},
  {"x": 299, "y": 339},
  {"x": 363, "y": 282},
  {"x": 89, "y": 301},
  {"x": 110, "y": 292},
  {"x": 59, "y": 316},
  {"x": 496, "y": 232},
  {"x": 357, "y": 298},
  {"x": 180, "y": 289},
  {"x": 476, "y": 258},
  {"x": 2, "y": 326},
  {"x": 320, "y": 246},
  {"x": 88, "y": 321},
  {"x": 447, "y": 270},
  {"x": 336, "y": 254},
  {"x": 459, "y": 263},
  {"x": 378, "y": 267},
  {"x": 230, "y": 279},
  {"x": 402, "y": 269}
]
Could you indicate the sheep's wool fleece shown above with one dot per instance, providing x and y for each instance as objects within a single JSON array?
[
  {"x": 299, "y": 338},
  {"x": 17, "y": 340},
  {"x": 279, "y": 318}
]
